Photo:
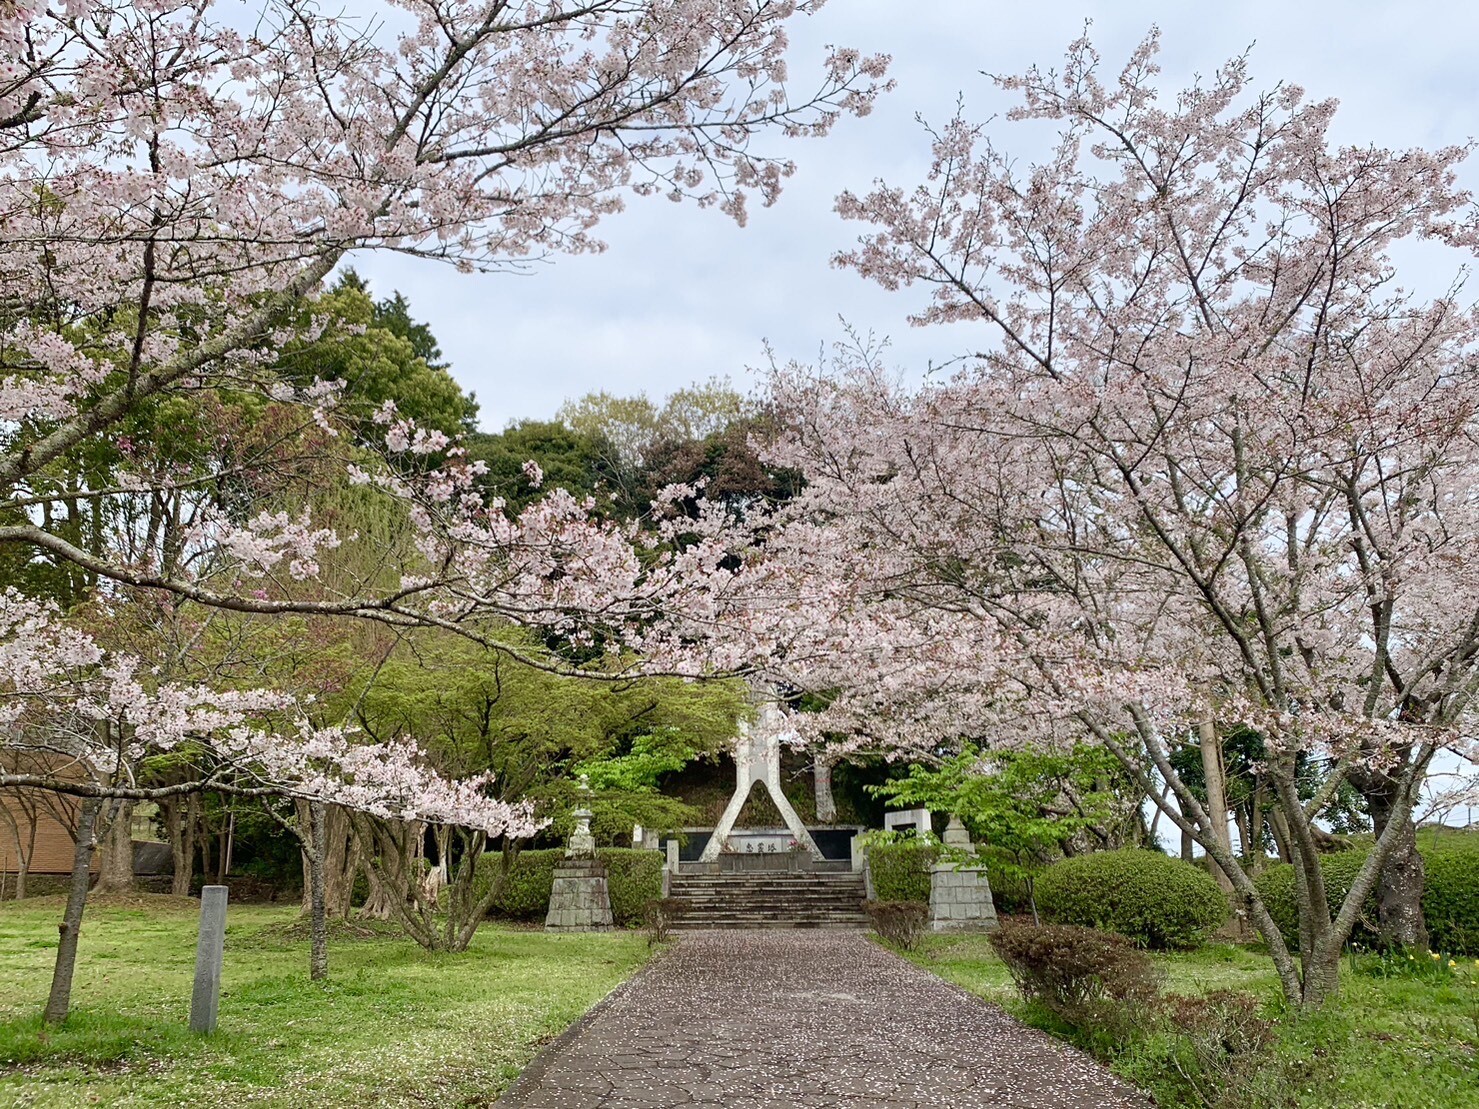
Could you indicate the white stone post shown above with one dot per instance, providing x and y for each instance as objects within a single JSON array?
[{"x": 205, "y": 999}]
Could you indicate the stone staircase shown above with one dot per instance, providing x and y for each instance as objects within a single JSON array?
[{"x": 771, "y": 899}]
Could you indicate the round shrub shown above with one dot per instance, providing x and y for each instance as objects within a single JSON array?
[
  {"x": 1276, "y": 887},
  {"x": 1148, "y": 897},
  {"x": 1450, "y": 893}
]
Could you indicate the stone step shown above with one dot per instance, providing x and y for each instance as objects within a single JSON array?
[
  {"x": 695, "y": 918},
  {"x": 829, "y": 926},
  {"x": 784, "y": 891},
  {"x": 771, "y": 899}
]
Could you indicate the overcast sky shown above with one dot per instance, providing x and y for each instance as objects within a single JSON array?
[{"x": 683, "y": 294}]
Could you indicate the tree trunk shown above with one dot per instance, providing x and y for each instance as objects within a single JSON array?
[
  {"x": 25, "y": 845},
  {"x": 60, "y": 1000},
  {"x": 181, "y": 816},
  {"x": 23, "y": 861},
  {"x": 203, "y": 841},
  {"x": 1216, "y": 795},
  {"x": 1253, "y": 851},
  {"x": 339, "y": 863},
  {"x": 821, "y": 770},
  {"x": 318, "y": 957},
  {"x": 1399, "y": 887},
  {"x": 116, "y": 862}
]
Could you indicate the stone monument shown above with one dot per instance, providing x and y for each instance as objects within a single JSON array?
[
  {"x": 757, "y": 758},
  {"x": 960, "y": 895},
  {"x": 579, "y": 899}
]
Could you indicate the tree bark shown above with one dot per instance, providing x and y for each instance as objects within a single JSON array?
[
  {"x": 339, "y": 862},
  {"x": 821, "y": 770},
  {"x": 318, "y": 956},
  {"x": 181, "y": 816},
  {"x": 25, "y": 844},
  {"x": 60, "y": 1000},
  {"x": 1399, "y": 887},
  {"x": 1216, "y": 796},
  {"x": 116, "y": 859}
]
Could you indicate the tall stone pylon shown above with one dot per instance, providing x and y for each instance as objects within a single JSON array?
[{"x": 757, "y": 758}]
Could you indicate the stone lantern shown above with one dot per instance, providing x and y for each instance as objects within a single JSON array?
[{"x": 580, "y": 900}]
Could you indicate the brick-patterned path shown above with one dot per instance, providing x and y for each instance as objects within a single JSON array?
[{"x": 806, "y": 1020}]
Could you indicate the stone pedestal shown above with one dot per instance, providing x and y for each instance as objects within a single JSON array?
[
  {"x": 579, "y": 901},
  {"x": 960, "y": 899}
]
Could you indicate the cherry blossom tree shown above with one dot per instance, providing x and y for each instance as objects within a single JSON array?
[
  {"x": 173, "y": 188},
  {"x": 1208, "y": 462},
  {"x": 91, "y": 718}
]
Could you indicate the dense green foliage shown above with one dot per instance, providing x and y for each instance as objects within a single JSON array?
[
  {"x": 633, "y": 877},
  {"x": 901, "y": 871},
  {"x": 393, "y": 1028},
  {"x": 570, "y": 460},
  {"x": 1151, "y": 898},
  {"x": 1450, "y": 893},
  {"x": 477, "y": 710},
  {"x": 381, "y": 355},
  {"x": 1015, "y": 804}
]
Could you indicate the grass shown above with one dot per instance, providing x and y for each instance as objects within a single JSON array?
[
  {"x": 393, "y": 1026},
  {"x": 1401, "y": 1041}
]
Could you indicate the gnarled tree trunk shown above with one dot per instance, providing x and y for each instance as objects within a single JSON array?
[
  {"x": 181, "y": 814},
  {"x": 1399, "y": 888},
  {"x": 340, "y": 860},
  {"x": 116, "y": 857}
]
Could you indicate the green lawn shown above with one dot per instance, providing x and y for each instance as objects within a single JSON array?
[
  {"x": 1388, "y": 1043},
  {"x": 393, "y": 1026}
]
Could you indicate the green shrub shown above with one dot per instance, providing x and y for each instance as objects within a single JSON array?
[
  {"x": 900, "y": 923},
  {"x": 1276, "y": 888},
  {"x": 633, "y": 878},
  {"x": 1068, "y": 967},
  {"x": 1450, "y": 894},
  {"x": 1148, "y": 897},
  {"x": 901, "y": 871}
]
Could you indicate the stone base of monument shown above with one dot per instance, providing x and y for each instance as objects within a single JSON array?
[
  {"x": 960, "y": 899},
  {"x": 579, "y": 900}
]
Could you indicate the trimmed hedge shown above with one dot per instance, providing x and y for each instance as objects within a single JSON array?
[
  {"x": 901, "y": 871},
  {"x": 633, "y": 878},
  {"x": 1147, "y": 897},
  {"x": 1450, "y": 895}
]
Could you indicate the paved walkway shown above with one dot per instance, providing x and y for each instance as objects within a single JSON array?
[{"x": 806, "y": 1020}]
